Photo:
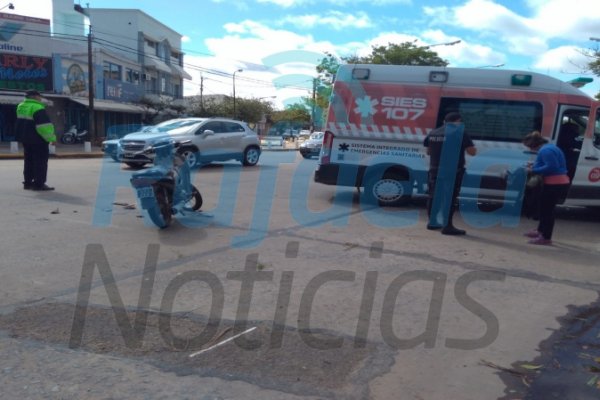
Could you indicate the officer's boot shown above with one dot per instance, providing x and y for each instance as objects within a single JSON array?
[{"x": 449, "y": 229}]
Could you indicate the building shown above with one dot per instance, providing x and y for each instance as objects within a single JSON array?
[{"x": 137, "y": 66}]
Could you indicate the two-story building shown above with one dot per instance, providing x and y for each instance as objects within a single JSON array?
[{"x": 136, "y": 62}]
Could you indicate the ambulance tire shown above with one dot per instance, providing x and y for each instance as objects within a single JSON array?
[{"x": 391, "y": 190}]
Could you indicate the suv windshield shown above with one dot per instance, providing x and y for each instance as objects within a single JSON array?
[{"x": 169, "y": 125}]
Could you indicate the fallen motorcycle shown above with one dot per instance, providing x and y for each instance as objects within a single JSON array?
[
  {"x": 72, "y": 136},
  {"x": 165, "y": 189}
]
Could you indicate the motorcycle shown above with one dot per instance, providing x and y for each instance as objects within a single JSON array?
[
  {"x": 165, "y": 189},
  {"x": 72, "y": 136}
]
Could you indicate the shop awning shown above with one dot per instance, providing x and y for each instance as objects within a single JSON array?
[
  {"x": 8, "y": 99},
  {"x": 157, "y": 64},
  {"x": 11, "y": 99},
  {"x": 177, "y": 70},
  {"x": 105, "y": 105}
]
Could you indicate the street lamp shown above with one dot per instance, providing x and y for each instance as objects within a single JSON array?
[
  {"x": 491, "y": 66},
  {"x": 9, "y": 5},
  {"x": 442, "y": 44},
  {"x": 234, "y": 111}
]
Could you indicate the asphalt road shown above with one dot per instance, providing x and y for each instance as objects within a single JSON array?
[{"x": 330, "y": 299}]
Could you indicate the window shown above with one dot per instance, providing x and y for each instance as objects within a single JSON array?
[
  {"x": 214, "y": 126},
  {"x": 175, "y": 58},
  {"x": 132, "y": 76},
  {"x": 498, "y": 120},
  {"x": 232, "y": 127},
  {"x": 112, "y": 71}
]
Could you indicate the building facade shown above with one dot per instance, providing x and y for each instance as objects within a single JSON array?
[{"x": 136, "y": 62}]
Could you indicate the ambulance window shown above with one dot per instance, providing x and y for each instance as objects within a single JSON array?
[{"x": 497, "y": 120}]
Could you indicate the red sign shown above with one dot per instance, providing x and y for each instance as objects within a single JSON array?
[{"x": 594, "y": 175}]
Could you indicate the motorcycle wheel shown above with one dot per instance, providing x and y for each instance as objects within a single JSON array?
[
  {"x": 196, "y": 200},
  {"x": 161, "y": 215},
  {"x": 67, "y": 139}
]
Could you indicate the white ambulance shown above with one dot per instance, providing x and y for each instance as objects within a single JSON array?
[{"x": 380, "y": 114}]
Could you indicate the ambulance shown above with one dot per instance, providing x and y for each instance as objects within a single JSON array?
[{"x": 380, "y": 114}]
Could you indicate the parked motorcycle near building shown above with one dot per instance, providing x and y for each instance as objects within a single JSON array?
[
  {"x": 165, "y": 189},
  {"x": 72, "y": 136}
]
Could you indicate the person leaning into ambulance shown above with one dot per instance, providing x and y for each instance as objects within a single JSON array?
[
  {"x": 35, "y": 131},
  {"x": 434, "y": 143}
]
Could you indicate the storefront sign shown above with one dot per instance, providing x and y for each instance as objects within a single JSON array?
[
  {"x": 21, "y": 72},
  {"x": 24, "y": 35},
  {"x": 122, "y": 91}
]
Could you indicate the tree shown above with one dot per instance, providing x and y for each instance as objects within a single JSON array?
[
  {"x": 406, "y": 53},
  {"x": 293, "y": 113},
  {"x": 253, "y": 110},
  {"x": 594, "y": 64},
  {"x": 159, "y": 108},
  {"x": 248, "y": 110},
  {"x": 322, "y": 86}
]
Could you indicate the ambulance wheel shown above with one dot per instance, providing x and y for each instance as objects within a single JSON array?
[{"x": 391, "y": 190}]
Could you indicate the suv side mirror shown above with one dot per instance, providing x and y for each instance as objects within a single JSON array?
[{"x": 208, "y": 132}]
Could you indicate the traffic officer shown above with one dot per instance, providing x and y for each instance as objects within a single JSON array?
[{"x": 35, "y": 131}]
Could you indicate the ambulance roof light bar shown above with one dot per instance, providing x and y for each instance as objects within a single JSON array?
[{"x": 580, "y": 82}]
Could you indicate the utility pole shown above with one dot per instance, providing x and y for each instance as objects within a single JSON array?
[
  {"x": 314, "y": 103},
  {"x": 92, "y": 118},
  {"x": 201, "y": 93}
]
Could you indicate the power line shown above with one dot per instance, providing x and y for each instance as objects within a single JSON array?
[{"x": 123, "y": 48}]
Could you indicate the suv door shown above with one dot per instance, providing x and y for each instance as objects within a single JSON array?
[
  {"x": 210, "y": 145},
  {"x": 233, "y": 137}
]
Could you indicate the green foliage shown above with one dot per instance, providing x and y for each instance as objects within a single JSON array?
[
  {"x": 594, "y": 65},
  {"x": 249, "y": 110},
  {"x": 292, "y": 113},
  {"x": 252, "y": 110},
  {"x": 406, "y": 53}
]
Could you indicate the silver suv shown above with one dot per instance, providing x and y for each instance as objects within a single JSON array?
[{"x": 211, "y": 139}]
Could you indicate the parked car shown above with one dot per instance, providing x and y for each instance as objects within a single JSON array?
[
  {"x": 114, "y": 133},
  {"x": 272, "y": 141},
  {"x": 312, "y": 146},
  {"x": 110, "y": 148},
  {"x": 304, "y": 134},
  {"x": 211, "y": 139},
  {"x": 290, "y": 134}
]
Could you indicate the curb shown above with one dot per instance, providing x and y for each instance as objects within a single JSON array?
[{"x": 19, "y": 156}]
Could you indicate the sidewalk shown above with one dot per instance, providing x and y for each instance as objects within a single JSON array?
[
  {"x": 61, "y": 151},
  {"x": 79, "y": 150}
]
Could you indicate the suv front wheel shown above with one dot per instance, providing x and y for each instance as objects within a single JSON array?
[
  {"x": 251, "y": 156},
  {"x": 190, "y": 155}
]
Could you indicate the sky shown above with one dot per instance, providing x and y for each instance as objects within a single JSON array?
[{"x": 277, "y": 43}]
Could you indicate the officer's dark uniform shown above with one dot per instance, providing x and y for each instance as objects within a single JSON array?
[
  {"x": 434, "y": 142},
  {"x": 34, "y": 130}
]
